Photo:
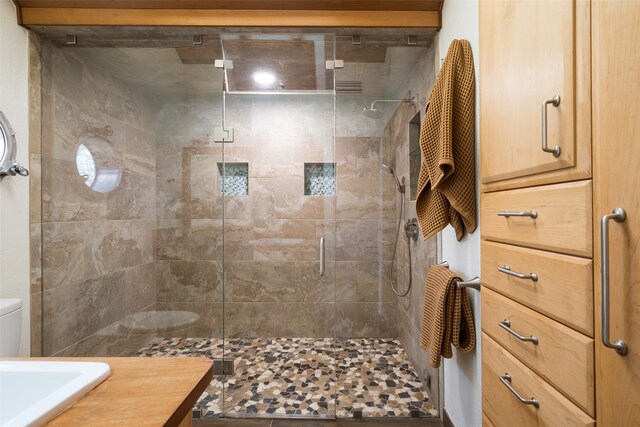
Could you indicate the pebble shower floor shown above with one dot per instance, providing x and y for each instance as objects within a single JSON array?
[{"x": 305, "y": 377}]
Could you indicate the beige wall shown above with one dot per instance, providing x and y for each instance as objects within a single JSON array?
[
  {"x": 14, "y": 191},
  {"x": 98, "y": 262}
]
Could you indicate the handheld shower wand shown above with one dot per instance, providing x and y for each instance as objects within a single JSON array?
[
  {"x": 399, "y": 185},
  {"x": 410, "y": 230}
]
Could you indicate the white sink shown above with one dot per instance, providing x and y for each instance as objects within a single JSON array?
[{"x": 34, "y": 392}]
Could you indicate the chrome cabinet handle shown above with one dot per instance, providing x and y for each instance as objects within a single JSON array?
[
  {"x": 618, "y": 215},
  {"x": 507, "y": 270},
  {"x": 530, "y": 214},
  {"x": 506, "y": 377},
  {"x": 506, "y": 325},
  {"x": 555, "y": 101},
  {"x": 322, "y": 257}
]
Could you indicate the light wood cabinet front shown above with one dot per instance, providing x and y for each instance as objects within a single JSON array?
[
  {"x": 562, "y": 222},
  {"x": 505, "y": 410},
  {"x": 563, "y": 289},
  {"x": 573, "y": 375},
  {"x": 486, "y": 422},
  {"x": 530, "y": 52},
  {"x": 616, "y": 147}
]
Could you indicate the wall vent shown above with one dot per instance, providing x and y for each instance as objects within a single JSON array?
[{"x": 349, "y": 86}]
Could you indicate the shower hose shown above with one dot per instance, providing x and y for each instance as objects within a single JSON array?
[{"x": 395, "y": 250}]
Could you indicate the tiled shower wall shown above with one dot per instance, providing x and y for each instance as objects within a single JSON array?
[
  {"x": 155, "y": 243},
  {"x": 98, "y": 263},
  {"x": 423, "y": 252},
  {"x": 273, "y": 286}
]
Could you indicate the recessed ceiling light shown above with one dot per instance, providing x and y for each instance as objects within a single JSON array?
[{"x": 264, "y": 78}]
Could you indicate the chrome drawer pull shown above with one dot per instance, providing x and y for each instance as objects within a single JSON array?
[
  {"x": 530, "y": 214},
  {"x": 506, "y": 377},
  {"x": 555, "y": 101},
  {"x": 506, "y": 325},
  {"x": 507, "y": 270},
  {"x": 618, "y": 215}
]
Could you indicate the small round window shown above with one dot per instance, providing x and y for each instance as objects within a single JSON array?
[
  {"x": 3, "y": 144},
  {"x": 7, "y": 147},
  {"x": 99, "y": 164}
]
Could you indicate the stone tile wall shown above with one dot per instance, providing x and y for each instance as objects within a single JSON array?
[
  {"x": 423, "y": 253},
  {"x": 156, "y": 241},
  {"x": 271, "y": 236},
  {"x": 188, "y": 232},
  {"x": 97, "y": 252}
]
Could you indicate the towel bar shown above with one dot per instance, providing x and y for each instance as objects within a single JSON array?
[{"x": 474, "y": 283}]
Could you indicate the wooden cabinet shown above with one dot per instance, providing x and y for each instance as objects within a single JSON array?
[
  {"x": 537, "y": 212},
  {"x": 581, "y": 374},
  {"x": 616, "y": 153},
  {"x": 531, "y": 51}
]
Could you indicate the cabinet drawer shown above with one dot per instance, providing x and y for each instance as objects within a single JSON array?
[
  {"x": 573, "y": 375},
  {"x": 486, "y": 422},
  {"x": 563, "y": 291},
  {"x": 504, "y": 409},
  {"x": 562, "y": 224}
]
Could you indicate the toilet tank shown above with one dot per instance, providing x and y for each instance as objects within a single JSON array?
[{"x": 10, "y": 326}]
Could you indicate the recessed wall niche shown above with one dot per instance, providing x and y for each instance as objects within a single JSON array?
[
  {"x": 414, "y": 155},
  {"x": 319, "y": 179},
  {"x": 234, "y": 179}
]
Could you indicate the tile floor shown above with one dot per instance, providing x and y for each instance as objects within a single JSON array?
[
  {"x": 306, "y": 377},
  {"x": 378, "y": 422}
]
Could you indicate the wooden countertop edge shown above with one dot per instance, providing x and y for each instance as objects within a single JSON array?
[{"x": 189, "y": 402}]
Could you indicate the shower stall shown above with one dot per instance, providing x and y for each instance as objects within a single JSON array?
[{"x": 220, "y": 193}]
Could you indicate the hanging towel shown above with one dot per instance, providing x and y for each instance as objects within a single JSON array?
[
  {"x": 446, "y": 182},
  {"x": 447, "y": 317}
]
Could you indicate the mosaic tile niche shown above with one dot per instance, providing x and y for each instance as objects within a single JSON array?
[
  {"x": 319, "y": 179},
  {"x": 235, "y": 180}
]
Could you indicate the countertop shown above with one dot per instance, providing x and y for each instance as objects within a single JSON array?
[{"x": 141, "y": 391}]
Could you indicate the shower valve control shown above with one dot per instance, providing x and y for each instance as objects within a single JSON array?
[{"x": 411, "y": 229}]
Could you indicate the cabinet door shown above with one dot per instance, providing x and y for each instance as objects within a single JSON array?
[
  {"x": 531, "y": 51},
  {"x": 616, "y": 133}
]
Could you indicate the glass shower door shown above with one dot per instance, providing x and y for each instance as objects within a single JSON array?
[{"x": 279, "y": 185}]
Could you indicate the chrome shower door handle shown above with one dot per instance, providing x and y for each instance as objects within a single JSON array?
[
  {"x": 618, "y": 215},
  {"x": 506, "y": 325},
  {"x": 507, "y": 270},
  {"x": 555, "y": 101},
  {"x": 506, "y": 380},
  {"x": 322, "y": 257}
]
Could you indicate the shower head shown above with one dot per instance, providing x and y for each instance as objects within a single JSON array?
[
  {"x": 373, "y": 113},
  {"x": 389, "y": 169}
]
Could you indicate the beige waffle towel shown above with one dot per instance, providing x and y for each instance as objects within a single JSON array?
[
  {"x": 446, "y": 183},
  {"x": 447, "y": 317}
]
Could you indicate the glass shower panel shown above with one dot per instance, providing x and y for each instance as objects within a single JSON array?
[
  {"x": 279, "y": 236},
  {"x": 131, "y": 230},
  {"x": 385, "y": 372}
]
